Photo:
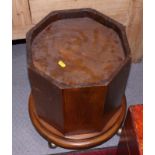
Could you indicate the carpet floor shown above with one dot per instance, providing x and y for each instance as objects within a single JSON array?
[{"x": 105, "y": 151}]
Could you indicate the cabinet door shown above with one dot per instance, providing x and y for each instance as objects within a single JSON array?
[
  {"x": 117, "y": 9},
  {"x": 21, "y": 18}
]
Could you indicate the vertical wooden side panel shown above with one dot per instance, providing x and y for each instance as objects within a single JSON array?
[
  {"x": 90, "y": 104},
  {"x": 21, "y": 13},
  {"x": 116, "y": 9},
  {"x": 21, "y": 18},
  {"x": 48, "y": 100},
  {"x": 134, "y": 29}
]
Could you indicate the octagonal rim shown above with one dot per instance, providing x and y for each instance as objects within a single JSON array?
[{"x": 77, "y": 13}]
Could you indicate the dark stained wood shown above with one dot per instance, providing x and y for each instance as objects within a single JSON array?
[
  {"x": 116, "y": 87},
  {"x": 48, "y": 99},
  {"x": 83, "y": 109},
  {"x": 79, "y": 141},
  {"x": 70, "y": 103}
]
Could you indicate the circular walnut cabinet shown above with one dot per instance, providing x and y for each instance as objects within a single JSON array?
[{"x": 78, "y": 65}]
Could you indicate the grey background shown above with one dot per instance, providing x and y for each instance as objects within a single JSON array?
[{"x": 26, "y": 141}]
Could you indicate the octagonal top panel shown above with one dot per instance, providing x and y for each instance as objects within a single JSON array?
[{"x": 77, "y": 51}]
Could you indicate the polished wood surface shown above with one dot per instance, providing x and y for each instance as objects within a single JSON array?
[
  {"x": 131, "y": 141},
  {"x": 79, "y": 141}
]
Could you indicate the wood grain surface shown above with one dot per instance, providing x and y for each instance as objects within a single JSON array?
[{"x": 81, "y": 141}]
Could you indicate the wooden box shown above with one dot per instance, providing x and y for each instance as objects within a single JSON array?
[
  {"x": 131, "y": 141},
  {"x": 78, "y": 64}
]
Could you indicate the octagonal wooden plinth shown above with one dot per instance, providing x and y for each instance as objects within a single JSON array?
[{"x": 81, "y": 141}]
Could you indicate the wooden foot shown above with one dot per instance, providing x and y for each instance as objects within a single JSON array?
[
  {"x": 119, "y": 131},
  {"x": 51, "y": 145}
]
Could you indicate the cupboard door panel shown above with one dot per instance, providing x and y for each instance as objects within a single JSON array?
[
  {"x": 21, "y": 13},
  {"x": 117, "y": 9},
  {"x": 21, "y": 18}
]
